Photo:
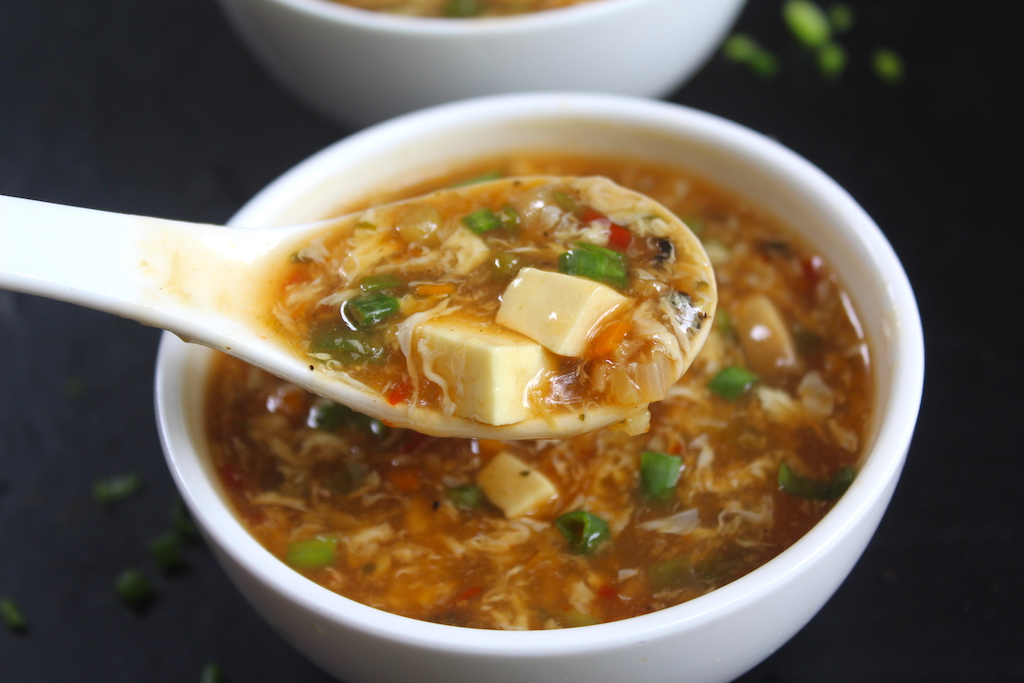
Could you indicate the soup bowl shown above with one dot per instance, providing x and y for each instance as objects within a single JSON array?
[
  {"x": 714, "y": 637},
  {"x": 359, "y": 67}
]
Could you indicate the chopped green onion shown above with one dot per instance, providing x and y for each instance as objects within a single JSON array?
[
  {"x": 815, "y": 489},
  {"x": 575, "y": 618},
  {"x": 383, "y": 281},
  {"x": 372, "y": 309},
  {"x": 584, "y": 531},
  {"x": 181, "y": 522},
  {"x": 659, "y": 473},
  {"x": 888, "y": 66},
  {"x": 506, "y": 264},
  {"x": 313, "y": 553},
  {"x": 743, "y": 49},
  {"x": 116, "y": 489},
  {"x": 669, "y": 574},
  {"x": 482, "y": 178},
  {"x": 565, "y": 202},
  {"x": 211, "y": 674},
  {"x": 732, "y": 382},
  {"x": 481, "y": 221},
  {"x": 467, "y": 497},
  {"x": 348, "y": 346},
  {"x": 134, "y": 589},
  {"x": 509, "y": 218},
  {"x": 596, "y": 263},
  {"x": 12, "y": 616},
  {"x": 831, "y": 58},
  {"x": 807, "y": 22},
  {"x": 330, "y": 416},
  {"x": 841, "y": 16},
  {"x": 463, "y": 9},
  {"x": 166, "y": 552}
]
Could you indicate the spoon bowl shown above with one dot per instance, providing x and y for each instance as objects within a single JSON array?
[{"x": 219, "y": 287}]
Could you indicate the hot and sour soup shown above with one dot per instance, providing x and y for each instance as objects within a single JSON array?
[{"x": 748, "y": 451}]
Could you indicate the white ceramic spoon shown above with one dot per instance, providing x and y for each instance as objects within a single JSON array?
[{"x": 200, "y": 282}]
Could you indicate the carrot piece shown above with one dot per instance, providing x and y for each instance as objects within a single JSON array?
[
  {"x": 399, "y": 393},
  {"x": 433, "y": 288},
  {"x": 608, "y": 337}
]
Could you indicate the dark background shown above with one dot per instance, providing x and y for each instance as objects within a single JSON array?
[{"x": 154, "y": 107}]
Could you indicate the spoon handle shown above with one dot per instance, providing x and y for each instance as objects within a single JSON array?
[{"x": 178, "y": 276}]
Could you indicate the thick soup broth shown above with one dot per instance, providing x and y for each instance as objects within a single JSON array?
[{"x": 746, "y": 454}]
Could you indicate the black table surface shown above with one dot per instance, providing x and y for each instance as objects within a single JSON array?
[{"x": 156, "y": 108}]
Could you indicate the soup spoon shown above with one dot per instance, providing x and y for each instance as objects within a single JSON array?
[{"x": 206, "y": 284}]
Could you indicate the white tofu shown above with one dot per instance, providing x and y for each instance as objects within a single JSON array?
[
  {"x": 486, "y": 369},
  {"x": 556, "y": 310},
  {"x": 514, "y": 486}
]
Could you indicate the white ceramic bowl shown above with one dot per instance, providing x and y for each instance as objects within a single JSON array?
[
  {"x": 359, "y": 67},
  {"x": 712, "y": 638}
]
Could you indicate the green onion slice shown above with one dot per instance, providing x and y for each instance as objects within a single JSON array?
[
  {"x": 134, "y": 589},
  {"x": 584, "y": 531},
  {"x": 166, "y": 552},
  {"x": 467, "y": 497},
  {"x": 373, "y": 308},
  {"x": 888, "y": 66},
  {"x": 481, "y": 221},
  {"x": 659, "y": 473},
  {"x": 732, "y": 382},
  {"x": 808, "y": 22},
  {"x": 312, "y": 553},
  {"x": 815, "y": 489},
  {"x": 116, "y": 489},
  {"x": 12, "y": 616},
  {"x": 382, "y": 281},
  {"x": 596, "y": 263}
]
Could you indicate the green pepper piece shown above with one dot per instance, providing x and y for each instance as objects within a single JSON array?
[
  {"x": 313, "y": 553},
  {"x": 584, "y": 532},
  {"x": 659, "y": 473},
  {"x": 815, "y": 489}
]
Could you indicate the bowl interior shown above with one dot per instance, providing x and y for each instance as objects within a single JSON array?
[{"x": 747, "y": 163}]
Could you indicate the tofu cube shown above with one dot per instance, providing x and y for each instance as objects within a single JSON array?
[
  {"x": 556, "y": 310},
  {"x": 486, "y": 369},
  {"x": 514, "y": 486}
]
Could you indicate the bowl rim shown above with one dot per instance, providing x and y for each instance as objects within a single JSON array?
[
  {"x": 874, "y": 483},
  {"x": 444, "y": 26}
]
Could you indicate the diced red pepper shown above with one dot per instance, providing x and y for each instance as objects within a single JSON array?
[
  {"x": 619, "y": 237},
  {"x": 399, "y": 393},
  {"x": 470, "y": 593}
]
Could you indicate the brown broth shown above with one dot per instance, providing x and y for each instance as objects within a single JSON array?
[{"x": 388, "y": 499}]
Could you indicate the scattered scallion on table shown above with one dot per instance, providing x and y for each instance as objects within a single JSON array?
[
  {"x": 166, "y": 552},
  {"x": 115, "y": 489},
  {"x": 807, "y": 22},
  {"x": 13, "y": 617},
  {"x": 134, "y": 589},
  {"x": 888, "y": 66},
  {"x": 211, "y": 674}
]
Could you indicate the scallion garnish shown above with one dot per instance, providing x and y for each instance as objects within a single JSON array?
[
  {"x": 481, "y": 221},
  {"x": 888, "y": 66},
  {"x": 12, "y": 616},
  {"x": 373, "y": 308},
  {"x": 115, "y": 489},
  {"x": 831, "y": 59},
  {"x": 312, "y": 553},
  {"x": 807, "y": 22},
  {"x": 659, "y": 473},
  {"x": 566, "y": 203},
  {"x": 743, "y": 49},
  {"x": 467, "y": 496},
  {"x": 211, "y": 674},
  {"x": 462, "y": 9},
  {"x": 134, "y": 589},
  {"x": 732, "y": 382},
  {"x": 669, "y": 574},
  {"x": 166, "y": 552},
  {"x": 348, "y": 346},
  {"x": 382, "y": 281},
  {"x": 815, "y": 489},
  {"x": 509, "y": 218},
  {"x": 841, "y": 16},
  {"x": 596, "y": 263},
  {"x": 584, "y": 532}
]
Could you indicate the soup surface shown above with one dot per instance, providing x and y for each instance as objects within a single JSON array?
[
  {"x": 504, "y": 301},
  {"x": 747, "y": 452},
  {"x": 460, "y": 9}
]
